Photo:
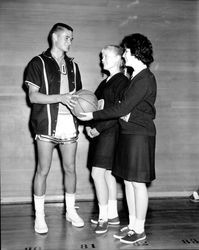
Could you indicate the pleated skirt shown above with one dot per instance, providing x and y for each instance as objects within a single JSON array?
[{"x": 135, "y": 158}]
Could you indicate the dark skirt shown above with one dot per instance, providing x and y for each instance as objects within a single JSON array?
[
  {"x": 104, "y": 150},
  {"x": 135, "y": 158}
]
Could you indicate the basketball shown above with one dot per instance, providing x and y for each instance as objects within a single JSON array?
[{"x": 86, "y": 102}]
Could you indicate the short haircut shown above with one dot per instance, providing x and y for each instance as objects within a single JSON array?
[
  {"x": 140, "y": 47},
  {"x": 116, "y": 48},
  {"x": 57, "y": 27}
]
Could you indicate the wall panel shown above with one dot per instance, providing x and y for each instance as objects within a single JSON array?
[{"x": 173, "y": 28}]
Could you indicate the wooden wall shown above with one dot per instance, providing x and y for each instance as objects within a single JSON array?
[{"x": 173, "y": 28}]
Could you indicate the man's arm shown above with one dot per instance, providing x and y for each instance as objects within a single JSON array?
[{"x": 36, "y": 97}]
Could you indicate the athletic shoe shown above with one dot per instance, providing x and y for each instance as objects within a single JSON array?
[
  {"x": 75, "y": 219},
  {"x": 40, "y": 225},
  {"x": 102, "y": 227},
  {"x": 133, "y": 237},
  {"x": 114, "y": 221},
  {"x": 123, "y": 232},
  {"x": 194, "y": 197},
  {"x": 94, "y": 221}
]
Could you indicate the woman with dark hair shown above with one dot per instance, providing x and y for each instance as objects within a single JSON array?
[{"x": 135, "y": 156}]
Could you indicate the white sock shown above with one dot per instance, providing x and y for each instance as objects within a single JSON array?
[
  {"x": 40, "y": 223},
  {"x": 139, "y": 226},
  {"x": 103, "y": 212},
  {"x": 39, "y": 204},
  {"x": 70, "y": 202},
  {"x": 132, "y": 220},
  {"x": 112, "y": 209}
]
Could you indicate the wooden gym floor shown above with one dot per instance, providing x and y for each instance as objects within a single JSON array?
[{"x": 172, "y": 223}]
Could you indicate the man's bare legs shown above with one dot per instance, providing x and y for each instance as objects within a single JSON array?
[
  {"x": 68, "y": 152},
  {"x": 45, "y": 151}
]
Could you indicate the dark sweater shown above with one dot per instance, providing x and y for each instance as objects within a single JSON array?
[
  {"x": 139, "y": 101},
  {"x": 112, "y": 92}
]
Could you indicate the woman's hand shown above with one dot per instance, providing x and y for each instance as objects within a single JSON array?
[
  {"x": 92, "y": 132},
  {"x": 88, "y": 130},
  {"x": 86, "y": 116}
]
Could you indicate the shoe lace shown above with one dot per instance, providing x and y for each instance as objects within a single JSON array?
[
  {"x": 131, "y": 233},
  {"x": 101, "y": 222}
]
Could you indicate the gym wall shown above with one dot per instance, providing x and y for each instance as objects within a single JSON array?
[{"x": 173, "y": 28}]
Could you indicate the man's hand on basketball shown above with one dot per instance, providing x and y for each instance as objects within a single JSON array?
[
  {"x": 86, "y": 116},
  {"x": 69, "y": 100}
]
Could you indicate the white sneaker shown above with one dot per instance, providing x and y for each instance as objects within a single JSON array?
[
  {"x": 194, "y": 197},
  {"x": 40, "y": 225},
  {"x": 75, "y": 219}
]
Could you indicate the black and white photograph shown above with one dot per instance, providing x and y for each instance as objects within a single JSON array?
[{"x": 99, "y": 124}]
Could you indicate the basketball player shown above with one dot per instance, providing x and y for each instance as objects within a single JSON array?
[
  {"x": 109, "y": 92},
  {"x": 135, "y": 156},
  {"x": 52, "y": 77}
]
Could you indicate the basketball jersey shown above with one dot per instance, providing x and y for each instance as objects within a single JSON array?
[
  {"x": 65, "y": 127},
  {"x": 64, "y": 88}
]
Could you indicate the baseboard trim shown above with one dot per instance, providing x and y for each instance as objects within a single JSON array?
[{"x": 89, "y": 197}]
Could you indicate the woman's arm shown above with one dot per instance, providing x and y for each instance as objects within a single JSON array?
[{"x": 133, "y": 95}]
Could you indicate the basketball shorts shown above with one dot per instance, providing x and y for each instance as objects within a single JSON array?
[{"x": 65, "y": 132}]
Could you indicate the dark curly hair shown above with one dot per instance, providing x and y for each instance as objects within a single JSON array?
[{"x": 140, "y": 47}]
